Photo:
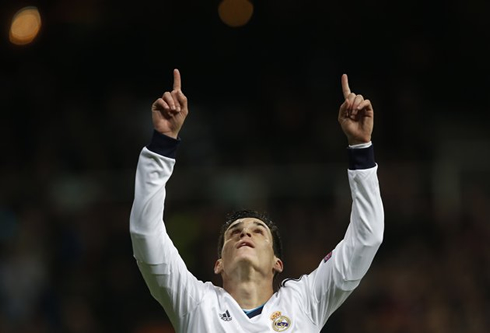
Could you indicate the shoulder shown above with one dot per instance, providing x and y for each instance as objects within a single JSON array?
[
  {"x": 213, "y": 292},
  {"x": 293, "y": 285}
]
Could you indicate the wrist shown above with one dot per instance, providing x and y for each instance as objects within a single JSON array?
[
  {"x": 361, "y": 145},
  {"x": 361, "y": 157},
  {"x": 358, "y": 141},
  {"x": 163, "y": 144},
  {"x": 170, "y": 134}
]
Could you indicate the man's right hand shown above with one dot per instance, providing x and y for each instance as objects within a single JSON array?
[
  {"x": 356, "y": 115},
  {"x": 169, "y": 111}
]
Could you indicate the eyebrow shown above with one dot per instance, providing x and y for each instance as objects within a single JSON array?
[{"x": 257, "y": 223}]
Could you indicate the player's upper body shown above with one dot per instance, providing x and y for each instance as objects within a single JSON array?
[{"x": 248, "y": 260}]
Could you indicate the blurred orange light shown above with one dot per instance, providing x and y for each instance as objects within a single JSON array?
[
  {"x": 25, "y": 26},
  {"x": 235, "y": 13}
]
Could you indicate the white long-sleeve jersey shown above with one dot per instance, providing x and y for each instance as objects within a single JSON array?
[{"x": 301, "y": 305}]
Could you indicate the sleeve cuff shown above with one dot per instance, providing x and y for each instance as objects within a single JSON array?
[
  {"x": 361, "y": 158},
  {"x": 163, "y": 145}
]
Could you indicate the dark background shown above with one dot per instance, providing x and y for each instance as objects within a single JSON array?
[{"x": 262, "y": 133}]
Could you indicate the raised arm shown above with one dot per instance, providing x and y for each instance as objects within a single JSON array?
[
  {"x": 340, "y": 272},
  {"x": 365, "y": 231},
  {"x": 164, "y": 271},
  {"x": 155, "y": 166}
]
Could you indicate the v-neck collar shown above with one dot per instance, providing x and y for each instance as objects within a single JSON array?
[{"x": 254, "y": 312}]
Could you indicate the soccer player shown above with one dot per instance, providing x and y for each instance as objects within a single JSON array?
[{"x": 249, "y": 247}]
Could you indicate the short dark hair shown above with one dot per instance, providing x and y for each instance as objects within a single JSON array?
[{"x": 240, "y": 214}]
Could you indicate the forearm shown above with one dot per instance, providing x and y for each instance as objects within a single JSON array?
[
  {"x": 146, "y": 224},
  {"x": 365, "y": 231},
  {"x": 163, "y": 269}
]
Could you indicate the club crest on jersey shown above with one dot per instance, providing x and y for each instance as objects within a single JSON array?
[{"x": 280, "y": 323}]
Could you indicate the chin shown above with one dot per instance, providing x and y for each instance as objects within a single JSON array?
[{"x": 245, "y": 258}]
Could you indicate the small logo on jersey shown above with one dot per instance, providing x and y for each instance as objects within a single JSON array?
[
  {"x": 280, "y": 323},
  {"x": 225, "y": 316},
  {"x": 328, "y": 256}
]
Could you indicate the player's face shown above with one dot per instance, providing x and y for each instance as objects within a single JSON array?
[{"x": 248, "y": 242}]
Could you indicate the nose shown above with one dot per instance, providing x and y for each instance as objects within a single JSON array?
[{"x": 245, "y": 232}]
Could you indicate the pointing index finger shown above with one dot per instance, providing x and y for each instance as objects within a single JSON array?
[
  {"x": 177, "y": 81},
  {"x": 345, "y": 86}
]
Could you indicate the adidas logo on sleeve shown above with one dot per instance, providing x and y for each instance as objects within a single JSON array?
[{"x": 225, "y": 316}]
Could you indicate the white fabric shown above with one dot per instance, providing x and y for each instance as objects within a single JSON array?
[
  {"x": 361, "y": 145},
  {"x": 304, "y": 304}
]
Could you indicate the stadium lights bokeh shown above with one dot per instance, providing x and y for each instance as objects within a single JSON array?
[
  {"x": 25, "y": 26},
  {"x": 26, "y": 23},
  {"x": 235, "y": 13}
]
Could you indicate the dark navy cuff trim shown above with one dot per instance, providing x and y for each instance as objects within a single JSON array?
[
  {"x": 361, "y": 158},
  {"x": 163, "y": 145}
]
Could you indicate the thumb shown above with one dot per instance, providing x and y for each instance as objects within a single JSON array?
[{"x": 343, "y": 110}]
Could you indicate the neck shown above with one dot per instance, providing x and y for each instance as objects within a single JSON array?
[{"x": 250, "y": 289}]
